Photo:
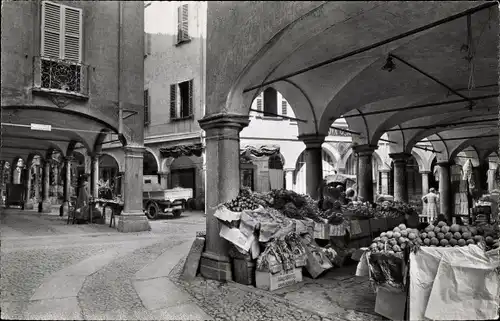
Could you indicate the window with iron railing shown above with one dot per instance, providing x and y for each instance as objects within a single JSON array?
[{"x": 59, "y": 67}]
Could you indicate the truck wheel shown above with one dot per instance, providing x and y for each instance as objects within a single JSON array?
[
  {"x": 152, "y": 210},
  {"x": 177, "y": 213}
]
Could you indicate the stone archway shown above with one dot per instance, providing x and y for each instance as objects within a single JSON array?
[{"x": 330, "y": 167}]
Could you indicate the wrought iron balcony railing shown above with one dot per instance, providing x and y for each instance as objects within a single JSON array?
[{"x": 60, "y": 76}]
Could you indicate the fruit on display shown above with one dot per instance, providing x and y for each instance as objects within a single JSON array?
[
  {"x": 443, "y": 235},
  {"x": 244, "y": 201},
  {"x": 395, "y": 241}
]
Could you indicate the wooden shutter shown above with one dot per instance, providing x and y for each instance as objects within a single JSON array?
[
  {"x": 72, "y": 39},
  {"x": 173, "y": 101},
  {"x": 185, "y": 22},
  {"x": 284, "y": 107},
  {"x": 259, "y": 102},
  {"x": 190, "y": 100},
  {"x": 146, "y": 107},
  {"x": 51, "y": 30}
]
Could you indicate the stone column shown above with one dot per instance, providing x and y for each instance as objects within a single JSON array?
[
  {"x": 164, "y": 179},
  {"x": 223, "y": 184},
  {"x": 46, "y": 204},
  {"x": 63, "y": 210},
  {"x": 37, "y": 183},
  {"x": 425, "y": 182},
  {"x": 384, "y": 182},
  {"x": 289, "y": 178},
  {"x": 314, "y": 163},
  {"x": 28, "y": 202},
  {"x": 133, "y": 218},
  {"x": 491, "y": 179},
  {"x": 445, "y": 189},
  {"x": 364, "y": 175},
  {"x": 400, "y": 176},
  {"x": 94, "y": 175}
]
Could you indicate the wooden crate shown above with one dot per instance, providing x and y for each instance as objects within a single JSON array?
[
  {"x": 244, "y": 271},
  {"x": 271, "y": 282}
]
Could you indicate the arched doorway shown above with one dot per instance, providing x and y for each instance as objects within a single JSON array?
[
  {"x": 109, "y": 172},
  {"x": 183, "y": 173},
  {"x": 150, "y": 166}
]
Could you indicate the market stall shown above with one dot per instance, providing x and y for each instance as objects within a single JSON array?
[
  {"x": 439, "y": 273},
  {"x": 277, "y": 235}
]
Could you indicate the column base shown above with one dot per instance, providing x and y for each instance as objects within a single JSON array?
[
  {"x": 215, "y": 267},
  {"x": 29, "y": 205},
  {"x": 64, "y": 209},
  {"x": 45, "y": 207},
  {"x": 133, "y": 223}
]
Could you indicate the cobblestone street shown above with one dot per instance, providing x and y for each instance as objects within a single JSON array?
[{"x": 51, "y": 270}]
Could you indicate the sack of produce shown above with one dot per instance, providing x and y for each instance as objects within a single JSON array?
[
  {"x": 317, "y": 262},
  {"x": 297, "y": 248},
  {"x": 269, "y": 260},
  {"x": 248, "y": 223}
]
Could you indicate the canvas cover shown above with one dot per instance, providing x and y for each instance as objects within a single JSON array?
[{"x": 456, "y": 283}]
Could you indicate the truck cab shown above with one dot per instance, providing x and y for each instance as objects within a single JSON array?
[{"x": 159, "y": 201}]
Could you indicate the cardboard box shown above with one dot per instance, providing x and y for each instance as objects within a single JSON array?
[
  {"x": 271, "y": 282},
  {"x": 390, "y": 303}
]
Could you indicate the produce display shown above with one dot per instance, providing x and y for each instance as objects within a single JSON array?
[
  {"x": 441, "y": 235},
  {"x": 395, "y": 241}
]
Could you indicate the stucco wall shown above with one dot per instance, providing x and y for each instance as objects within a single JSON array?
[
  {"x": 168, "y": 63},
  {"x": 21, "y": 43}
]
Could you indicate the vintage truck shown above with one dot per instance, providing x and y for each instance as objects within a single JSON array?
[{"x": 159, "y": 201}]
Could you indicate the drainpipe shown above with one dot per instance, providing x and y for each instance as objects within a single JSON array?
[{"x": 120, "y": 107}]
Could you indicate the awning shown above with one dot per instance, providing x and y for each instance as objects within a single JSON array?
[
  {"x": 182, "y": 150},
  {"x": 340, "y": 178},
  {"x": 263, "y": 150}
]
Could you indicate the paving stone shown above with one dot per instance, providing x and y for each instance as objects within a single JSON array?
[
  {"x": 187, "y": 311},
  {"x": 54, "y": 309},
  {"x": 160, "y": 293},
  {"x": 162, "y": 266},
  {"x": 59, "y": 287}
]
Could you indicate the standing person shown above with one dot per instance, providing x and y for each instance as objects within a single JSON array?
[
  {"x": 321, "y": 193},
  {"x": 432, "y": 200},
  {"x": 82, "y": 202}
]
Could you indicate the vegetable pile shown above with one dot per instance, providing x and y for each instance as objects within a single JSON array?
[
  {"x": 246, "y": 200},
  {"x": 395, "y": 241}
]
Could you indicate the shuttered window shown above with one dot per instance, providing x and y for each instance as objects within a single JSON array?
[
  {"x": 284, "y": 107},
  {"x": 181, "y": 100},
  {"x": 183, "y": 23},
  {"x": 259, "y": 102},
  {"x": 147, "y": 116},
  {"x": 61, "y": 32}
]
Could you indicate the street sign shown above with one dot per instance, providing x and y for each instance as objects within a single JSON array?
[{"x": 45, "y": 128}]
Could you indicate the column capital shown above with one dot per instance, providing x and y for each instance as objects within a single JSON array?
[
  {"x": 286, "y": 170},
  {"x": 424, "y": 172},
  {"x": 94, "y": 155},
  {"x": 136, "y": 151},
  {"x": 312, "y": 140},
  {"x": 384, "y": 170},
  {"x": 400, "y": 157},
  {"x": 68, "y": 159},
  {"x": 364, "y": 150},
  {"x": 235, "y": 121},
  {"x": 446, "y": 164}
]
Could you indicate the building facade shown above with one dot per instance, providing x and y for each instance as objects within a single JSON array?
[
  {"x": 72, "y": 74},
  {"x": 174, "y": 101}
]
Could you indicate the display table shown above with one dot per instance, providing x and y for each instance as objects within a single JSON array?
[{"x": 115, "y": 206}]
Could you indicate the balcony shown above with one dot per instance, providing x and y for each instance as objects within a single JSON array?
[{"x": 60, "y": 77}]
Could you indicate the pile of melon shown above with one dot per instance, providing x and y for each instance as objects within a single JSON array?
[
  {"x": 443, "y": 235},
  {"x": 395, "y": 241}
]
